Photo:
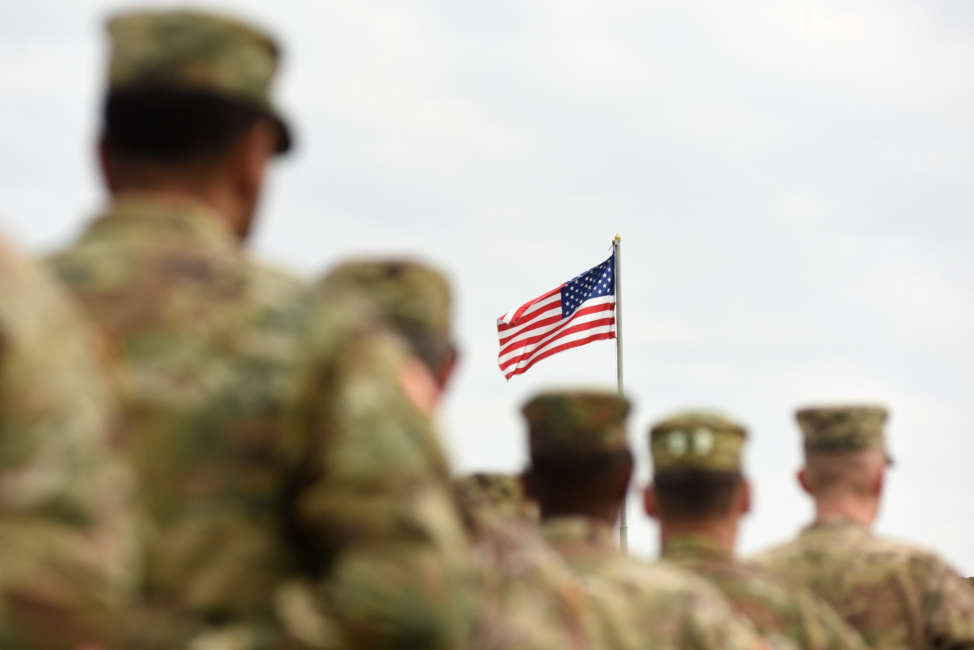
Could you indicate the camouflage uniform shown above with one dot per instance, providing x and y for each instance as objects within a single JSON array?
[
  {"x": 706, "y": 442},
  {"x": 786, "y": 617},
  {"x": 896, "y": 595},
  {"x": 67, "y": 529},
  {"x": 638, "y": 605},
  {"x": 528, "y": 598},
  {"x": 296, "y": 492}
]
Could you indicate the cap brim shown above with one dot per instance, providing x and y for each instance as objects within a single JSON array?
[{"x": 284, "y": 139}]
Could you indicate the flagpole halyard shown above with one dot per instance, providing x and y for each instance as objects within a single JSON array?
[{"x": 617, "y": 273}]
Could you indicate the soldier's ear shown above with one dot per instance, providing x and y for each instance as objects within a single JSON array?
[
  {"x": 878, "y": 481},
  {"x": 445, "y": 372},
  {"x": 802, "y": 477},
  {"x": 744, "y": 497},
  {"x": 650, "y": 502},
  {"x": 249, "y": 157}
]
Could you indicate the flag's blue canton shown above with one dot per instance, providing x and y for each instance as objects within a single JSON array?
[{"x": 596, "y": 282}]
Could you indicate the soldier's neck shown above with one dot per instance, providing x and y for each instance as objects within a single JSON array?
[
  {"x": 721, "y": 531},
  {"x": 859, "y": 511},
  {"x": 218, "y": 202},
  {"x": 605, "y": 513}
]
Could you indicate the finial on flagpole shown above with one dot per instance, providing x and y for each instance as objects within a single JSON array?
[{"x": 618, "y": 238}]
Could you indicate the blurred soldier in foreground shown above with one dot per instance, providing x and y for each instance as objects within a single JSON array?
[
  {"x": 528, "y": 598},
  {"x": 896, "y": 595},
  {"x": 699, "y": 496},
  {"x": 579, "y": 473},
  {"x": 253, "y": 407},
  {"x": 67, "y": 530}
]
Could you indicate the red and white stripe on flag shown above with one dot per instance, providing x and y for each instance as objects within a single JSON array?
[{"x": 577, "y": 312}]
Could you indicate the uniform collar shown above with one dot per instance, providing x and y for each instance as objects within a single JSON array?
[
  {"x": 566, "y": 529},
  {"x": 141, "y": 215},
  {"x": 835, "y": 523},
  {"x": 693, "y": 547}
]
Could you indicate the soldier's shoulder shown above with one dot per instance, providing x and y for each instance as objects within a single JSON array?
[
  {"x": 881, "y": 550},
  {"x": 782, "y": 551},
  {"x": 925, "y": 565},
  {"x": 277, "y": 281},
  {"x": 278, "y": 292},
  {"x": 666, "y": 580}
]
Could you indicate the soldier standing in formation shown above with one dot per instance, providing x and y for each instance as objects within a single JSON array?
[
  {"x": 699, "y": 495},
  {"x": 579, "y": 473},
  {"x": 896, "y": 595},
  {"x": 252, "y": 409},
  {"x": 526, "y": 596}
]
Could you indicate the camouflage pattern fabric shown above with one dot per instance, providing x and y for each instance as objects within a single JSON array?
[
  {"x": 294, "y": 488},
  {"x": 495, "y": 493},
  {"x": 895, "y": 595},
  {"x": 528, "y": 596},
  {"x": 377, "y": 504},
  {"x": 642, "y": 605},
  {"x": 576, "y": 422},
  {"x": 413, "y": 296},
  {"x": 843, "y": 428},
  {"x": 697, "y": 440},
  {"x": 787, "y": 617},
  {"x": 67, "y": 526},
  {"x": 197, "y": 52}
]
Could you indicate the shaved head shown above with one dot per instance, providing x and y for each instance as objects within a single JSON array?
[{"x": 843, "y": 474}]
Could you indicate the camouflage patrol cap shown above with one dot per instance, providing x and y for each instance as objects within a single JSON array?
[
  {"x": 195, "y": 51},
  {"x": 699, "y": 440},
  {"x": 843, "y": 427},
  {"x": 494, "y": 492},
  {"x": 414, "y": 297},
  {"x": 576, "y": 423}
]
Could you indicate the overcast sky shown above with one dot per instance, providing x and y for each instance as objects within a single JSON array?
[{"x": 791, "y": 181}]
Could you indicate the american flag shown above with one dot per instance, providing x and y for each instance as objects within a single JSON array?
[{"x": 577, "y": 312}]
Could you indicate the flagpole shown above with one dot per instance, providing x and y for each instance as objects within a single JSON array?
[{"x": 617, "y": 272}]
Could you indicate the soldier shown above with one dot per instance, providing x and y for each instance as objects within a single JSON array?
[
  {"x": 896, "y": 595},
  {"x": 699, "y": 496},
  {"x": 579, "y": 473},
  {"x": 67, "y": 526},
  {"x": 272, "y": 434},
  {"x": 528, "y": 598}
]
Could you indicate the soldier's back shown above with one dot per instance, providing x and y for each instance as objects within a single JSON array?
[
  {"x": 206, "y": 341},
  {"x": 67, "y": 525},
  {"x": 894, "y": 594},
  {"x": 641, "y": 604},
  {"x": 786, "y": 616}
]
